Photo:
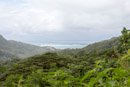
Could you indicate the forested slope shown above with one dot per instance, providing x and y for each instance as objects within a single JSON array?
[
  {"x": 15, "y": 49},
  {"x": 106, "y": 68}
]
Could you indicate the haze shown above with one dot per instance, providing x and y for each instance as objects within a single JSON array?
[{"x": 71, "y": 21}]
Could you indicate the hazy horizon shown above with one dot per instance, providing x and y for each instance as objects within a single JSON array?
[{"x": 61, "y": 44}]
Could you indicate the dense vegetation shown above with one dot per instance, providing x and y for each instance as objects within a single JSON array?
[{"x": 99, "y": 66}]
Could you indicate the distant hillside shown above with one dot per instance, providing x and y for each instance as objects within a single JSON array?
[
  {"x": 92, "y": 48},
  {"x": 6, "y": 56},
  {"x": 10, "y": 48},
  {"x": 103, "y": 45}
]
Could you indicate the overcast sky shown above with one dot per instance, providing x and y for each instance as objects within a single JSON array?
[{"x": 41, "y": 21}]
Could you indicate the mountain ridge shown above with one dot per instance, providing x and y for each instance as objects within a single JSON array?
[{"x": 20, "y": 49}]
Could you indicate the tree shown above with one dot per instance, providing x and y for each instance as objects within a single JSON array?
[{"x": 124, "y": 41}]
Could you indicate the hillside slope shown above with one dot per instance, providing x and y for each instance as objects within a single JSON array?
[
  {"x": 92, "y": 48},
  {"x": 103, "y": 45},
  {"x": 20, "y": 49}
]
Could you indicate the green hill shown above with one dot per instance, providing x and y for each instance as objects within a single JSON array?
[{"x": 19, "y": 49}]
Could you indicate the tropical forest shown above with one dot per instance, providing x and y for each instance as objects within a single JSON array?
[{"x": 102, "y": 64}]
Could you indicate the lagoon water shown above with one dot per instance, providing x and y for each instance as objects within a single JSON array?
[{"x": 64, "y": 46}]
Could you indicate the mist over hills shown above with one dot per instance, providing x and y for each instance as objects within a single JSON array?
[{"x": 11, "y": 48}]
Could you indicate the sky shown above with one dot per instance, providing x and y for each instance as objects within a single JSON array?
[{"x": 63, "y": 21}]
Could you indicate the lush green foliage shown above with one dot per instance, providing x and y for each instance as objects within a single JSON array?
[
  {"x": 124, "y": 41},
  {"x": 97, "y": 68}
]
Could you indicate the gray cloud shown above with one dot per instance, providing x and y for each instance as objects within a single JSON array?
[{"x": 44, "y": 20}]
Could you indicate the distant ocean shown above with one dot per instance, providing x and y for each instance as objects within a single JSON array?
[{"x": 64, "y": 46}]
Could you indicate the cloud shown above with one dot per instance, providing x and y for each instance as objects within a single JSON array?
[
  {"x": 64, "y": 19},
  {"x": 31, "y": 20}
]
